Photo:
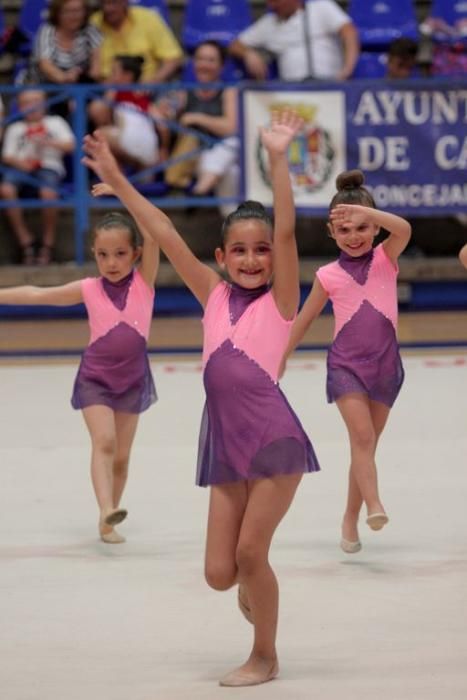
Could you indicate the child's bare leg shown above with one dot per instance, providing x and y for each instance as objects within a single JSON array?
[
  {"x": 227, "y": 505},
  {"x": 126, "y": 425},
  {"x": 205, "y": 183},
  {"x": 100, "y": 421},
  {"x": 360, "y": 416},
  {"x": 49, "y": 219},
  {"x": 112, "y": 135},
  {"x": 100, "y": 113},
  {"x": 379, "y": 415},
  {"x": 268, "y": 502},
  {"x": 15, "y": 216},
  {"x": 352, "y": 511}
]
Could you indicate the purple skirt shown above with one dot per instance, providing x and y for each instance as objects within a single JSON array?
[
  {"x": 248, "y": 429},
  {"x": 115, "y": 372},
  {"x": 364, "y": 358}
]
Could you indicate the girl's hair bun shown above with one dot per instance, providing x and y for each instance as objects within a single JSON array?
[
  {"x": 246, "y": 210},
  {"x": 350, "y": 180},
  {"x": 351, "y": 190}
]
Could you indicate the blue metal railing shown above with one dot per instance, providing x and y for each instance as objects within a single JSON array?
[{"x": 74, "y": 193}]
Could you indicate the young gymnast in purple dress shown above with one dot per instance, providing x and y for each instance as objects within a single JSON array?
[
  {"x": 364, "y": 368},
  {"x": 114, "y": 383},
  {"x": 252, "y": 449}
]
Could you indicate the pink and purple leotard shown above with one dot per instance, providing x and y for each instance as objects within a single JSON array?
[
  {"x": 114, "y": 370},
  {"x": 248, "y": 429},
  {"x": 364, "y": 355}
]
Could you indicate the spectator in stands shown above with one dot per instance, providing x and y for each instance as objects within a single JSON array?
[
  {"x": 449, "y": 45},
  {"x": 35, "y": 146},
  {"x": 402, "y": 58},
  {"x": 137, "y": 31},
  {"x": 66, "y": 48},
  {"x": 212, "y": 111},
  {"x": 130, "y": 132},
  {"x": 309, "y": 40}
]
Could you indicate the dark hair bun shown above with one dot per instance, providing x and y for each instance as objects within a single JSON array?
[
  {"x": 251, "y": 206},
  {"x": 350, "y": 180}
]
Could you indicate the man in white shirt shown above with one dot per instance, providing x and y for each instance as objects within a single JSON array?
[{"x": 309, "y": 39}]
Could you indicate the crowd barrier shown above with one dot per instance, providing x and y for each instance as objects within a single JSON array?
[{"x": 408, "y": 137}]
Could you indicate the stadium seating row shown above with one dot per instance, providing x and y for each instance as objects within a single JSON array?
[{"x": 379, "y": 22}]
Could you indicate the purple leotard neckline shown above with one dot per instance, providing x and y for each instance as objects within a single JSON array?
[
  {"x": 240, "y": 298},
  {"x": 118, "y": 291},
  {"x": 357, "y": 267}
]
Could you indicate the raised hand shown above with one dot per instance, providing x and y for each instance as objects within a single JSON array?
[
  {"x": 101, "y": 189},
  {"x": 285, "y": 125},
  {"x": 350, "y": 213},
  {"x": 99, "y": 157}
]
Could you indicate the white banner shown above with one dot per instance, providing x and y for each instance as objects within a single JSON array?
[{"x": 316, "y": 156}]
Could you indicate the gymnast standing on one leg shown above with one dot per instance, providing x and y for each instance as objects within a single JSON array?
[{"x": 253, "y": 450}]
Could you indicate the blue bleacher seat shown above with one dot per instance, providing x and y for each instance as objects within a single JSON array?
[
  {"x": 379, "y": 22},
  {"x": 219, "y": 20},
  {"x": 451, "y": 11},
  {"x": 371, "y": 64},
  {"x": 32, "y": 14},
  {"x": 159, "y": 5}
]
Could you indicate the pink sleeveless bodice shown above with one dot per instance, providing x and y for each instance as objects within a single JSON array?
[{"x": 260, "y": 332}]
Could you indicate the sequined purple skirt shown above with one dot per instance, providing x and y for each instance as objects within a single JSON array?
[
  {"x": 364, "y": 358},
  {"x": 248, "y": 429},
  {"x": 115, "y": 372}
]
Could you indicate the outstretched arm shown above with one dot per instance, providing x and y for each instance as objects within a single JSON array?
[
  {"x": 276, "y": 140},
  {"x": 463, "y": 256},
  {"x": 399, "y": 229},
  {"x": 200, "y": 278},
  {"x": 65, "y": 295}
]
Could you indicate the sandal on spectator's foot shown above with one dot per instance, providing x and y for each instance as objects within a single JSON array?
[
  {"x": 45, "y": 255},
  {"x": 27, "y": 254}
]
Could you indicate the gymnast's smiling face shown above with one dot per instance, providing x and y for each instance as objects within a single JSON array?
[{"x": 247, "y": 253}]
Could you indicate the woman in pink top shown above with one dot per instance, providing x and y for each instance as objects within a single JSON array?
[
  {"x": 365, "y": 371},
  {"x": 253, "y": 450},
  {"x": 114, "y": 381}
]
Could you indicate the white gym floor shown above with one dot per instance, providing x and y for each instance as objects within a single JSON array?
[{"x": 81, "y": 620}]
